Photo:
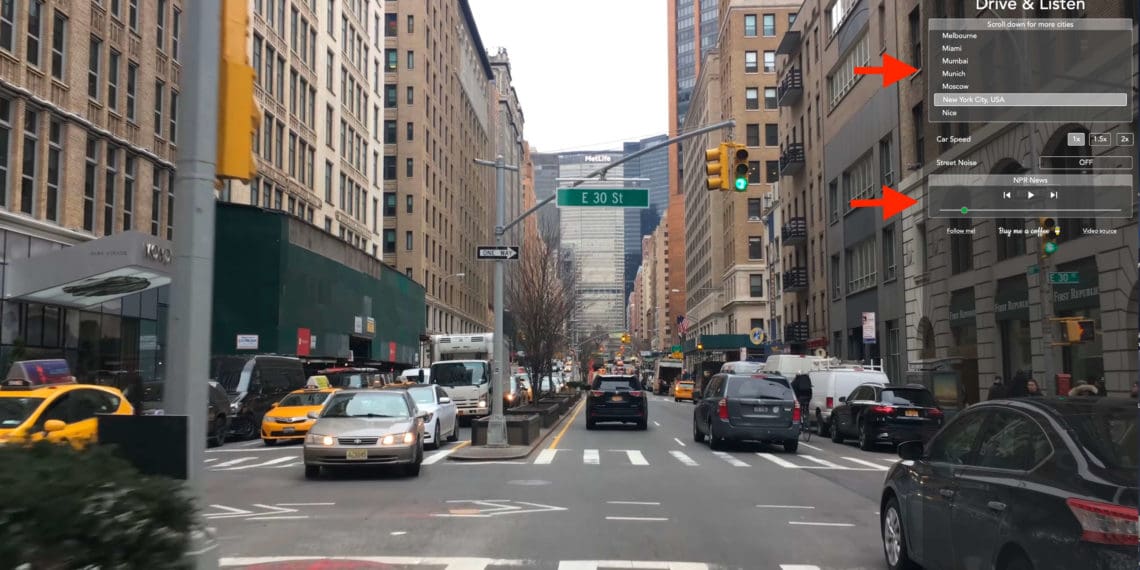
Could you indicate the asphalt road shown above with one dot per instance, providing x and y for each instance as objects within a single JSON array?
[{"x": 614, "y": 494}]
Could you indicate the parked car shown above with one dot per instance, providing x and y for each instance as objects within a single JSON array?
[
  {"x": 253, "y": 384},
  {"x": 753, "y": 407},
  {"x": 830, "y": 385},
  {"x": 366, "y": 427},
  {"x": 1016, "y": 485},
  {"x": 442, "y": 420},
  {"x": 877, "y": 414},
  {"x": 617, "y": 398}
]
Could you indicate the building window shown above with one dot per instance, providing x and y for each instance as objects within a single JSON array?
[
  {"x": 769, "y": 97},
  {"x": 858, "y": 180},
  {"x": 132, "y": 89},
  {"x": 389, "y": 241},
  {"x": 754, "y": 172},
  {"x": 769, "y": 25},
  {"x": 751, "y": 98},
  {"x": 408, "y": 203},
  {"x": 755, "y": 209},
  {"x": 1009, "y": 246},
  {"x": 886, "y": 163},
  {"x": 750, "y": 25},
  {"x": 919, "y": 135},
  {"x": 755, "y": 285},
  {"x": 389, "y": 96},
  {"x": 328, "y": 181},
  {"x": 58, "y": 45},
  {"x": 861, "y": 266},
  {"x": 755, "y": 248},
  {"x": 833, "y": 199},
  {"x": 8, "y": 26},
  {"x": 389, "y": 204},
  {"x": 751, "y": 62},
  {"x": 5, "y": 148},
  {"x": 769, "y": 62},
  {"x": 28, "y": 174},
  {"x": 54, "y": 166},
  {"x": 113, "y": 80},
  {"x": 278, "y": 198},
  {"x": 175, "y": 33},
  {"x": 156, "y": 199},
  {"x": 133, "y": 14},
  {"x": 961, "y": 246},
  {"x": 173, "y": 116},
  {"x": 94, "y": 67},
  {"x": 170, "y": 204},
  {"x": 391, "y": 59},
  {"x": 160, "y": 25},
  {"x": 409, "y": 96},
  {"x": 844, "y": 78},
  {"x": 773, "y": 169},
  {"x": 409, "y": 168},
  {"x": 411, "y": 59},
  {"x": 159, "y": 95},
  {"x": 752, "y": 134},
  {"x": 130, "y": 171},
  {"x": 410, "y": 134},
  {"x": 389, "y": 132},
  {"x": 915, "y": 22},
  {"x": 109, "y": 190},
  {"x": 836, "y": 287},
  {"x": 889, "y": 269},
  {"x": 389, "y": 168},
  {"x": 771, "y": 134},
  {"x": 35, "y": 32},
  {"x": 90, "y": 182}
]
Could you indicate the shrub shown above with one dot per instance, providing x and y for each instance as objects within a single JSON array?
[{"x": 66, "y": 508}]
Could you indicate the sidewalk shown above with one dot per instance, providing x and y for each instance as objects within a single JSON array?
[{"x": 512, "y": 452}]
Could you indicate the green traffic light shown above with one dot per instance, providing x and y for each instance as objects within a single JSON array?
[
  {"x": 1050, "y": 248},
  {"x": 741, "y": 184}
]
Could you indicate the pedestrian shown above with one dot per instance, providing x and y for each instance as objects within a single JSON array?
[
  {"x": 1135, "y": 390},
  {"x": 420, "y": 374},
  {"x": 1083, "y": 388},
  {"x": 1032, "y": 390},
  {"x": 1101, "y": 389},
  {"x": 997, "y": 389}
]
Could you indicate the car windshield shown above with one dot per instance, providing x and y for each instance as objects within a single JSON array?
[
  {"x": 1109, "y": 435},
  {"x": 908, "y": 397},
  {"x": 349, "y": 379},
  {"x": 226, "y": 371},
  {"x": 761, "y": 388},
  {"x": 459, "y": 373},
  {"x": 425, "y": 395},
  {"x": 367, "y": 405},
  {"x": 615, "y": 384},
  {"x": 304, "y": 399},
  {"x": 14, "y": 411},
  {"x": 684, "y": 384}
]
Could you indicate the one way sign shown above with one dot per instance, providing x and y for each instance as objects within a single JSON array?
[{"x": 497, "y": 252}]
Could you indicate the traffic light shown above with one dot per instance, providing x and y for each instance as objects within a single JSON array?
[
  {"x": 238, "y": 114},
  {"x": 740, "y": 169},
  {"x": 625, "y": 338},
  {"x": 717, "y": 167},
  {"x": 1080, "y": 330},
  {"x": 1049, "y": 233}
]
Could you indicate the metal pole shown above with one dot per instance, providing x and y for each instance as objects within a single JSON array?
[
  {"x": 191, "y": 292},
  {"x": 497, "y": 426}
]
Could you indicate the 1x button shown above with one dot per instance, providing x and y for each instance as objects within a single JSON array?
[{"x": 1125, "y": 139}]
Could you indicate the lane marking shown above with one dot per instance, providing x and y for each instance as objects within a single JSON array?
[
  {"x": 545, "y": 457},
  {"x": 236, "y": 461},
  {"x": 730, "y": 459},
  {"x": 784, "y": 507},
  {"x": 639, "y": 565},
  {"x": 488, "y": 463},
  {"x": 591, "y": 457},
  {"x": 398, "y": 532},
  {"x": 649, "y": 503},
  {"x": 278, "y": 518},
  {"x": 891, "y": 460},
  {"x": 823, "y": 462},
  {"x": 779, "y": 461},
  {"x": 251, "y": 443},
  {"x": 656, "y": 424},
  {"x": 287, "y": 465},
  {"x": 637, "y": 518},
  {"x": 437, "y": 456},
  {"x": 800, "y": 523},
  {"x": 569, "y": 422},
  {"x": 685, "y": 459},
  {"x": 256, "y": 450},
  {"x": 679, "y": 442},
  {"x": 256, "y": 465},
  {"x": 866, "y": 463},
  {"x": 636, "y": 457},
  {"x": 210, "y": 459},
  {"x": 811, "y": 446},
  {"x": 305, "y": 504},
  {"x": 798, "y": 567}
]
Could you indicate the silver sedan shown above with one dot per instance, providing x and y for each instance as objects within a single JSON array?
[{"x": 366, "y": 427}]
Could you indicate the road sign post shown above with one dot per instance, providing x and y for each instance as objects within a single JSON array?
[{"x": 603, "y": 197}]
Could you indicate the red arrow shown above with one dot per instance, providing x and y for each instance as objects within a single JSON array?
[
  {"x": 892, "y": 70},
  {"x": 892, "y": 202}
]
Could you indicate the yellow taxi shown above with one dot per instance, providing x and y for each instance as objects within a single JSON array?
[
  {"x": 60, "y": 412},
  {"x": 288, "y": 420},
  {"x": 683, "y": 390}
]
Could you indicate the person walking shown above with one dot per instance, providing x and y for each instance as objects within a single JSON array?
[
  {"x": 1032, "y": 390},
  {"x": 997, "y": 389}
]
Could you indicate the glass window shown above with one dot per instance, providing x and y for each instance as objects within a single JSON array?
[
  {"x": 769, "y": 62},
  {"x": 1010, "y": 440},
  {"x": 755, "y": 209},
  {"x": 772, "y": 169},
  {"x": 35, "y": 32},
  {"x": 28, "y": 178},
  {"x": 769, "y": 25},
  {"x": 752, "y": 134},
  {"x": 58, "y": 45},
  {"x": 751, "y": 62},
  {"x": 771, "y": 135},
  {"x": 756, "y": 285},
  {"x": 956, "y": 441},
  {"x": 769, "y": 97},
  {"x": 8, "y": 26},
  {"x": 750, "y": 25},
  {"x": 890, "y": 270},
  {"x": 751, "y": 98},
  {"x": 755, "y": 247},
  {"x": 94, "y": 67}
]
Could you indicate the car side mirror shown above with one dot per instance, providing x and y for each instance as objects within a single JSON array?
[
  {"x": 910, "y": 450},
  {"x": 445, "y": 400},
  {"x": 273, "y": 405},
  {"x": 423, "y": 415},
  {"x": 54, "y": 425},
  {"x": 313, "y": 415},
  {"x": 842, "y": 399}
]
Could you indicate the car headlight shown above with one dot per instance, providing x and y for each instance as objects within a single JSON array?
[
  {"x": 430, "y": 415},
  {"x": 316, "y": 439},
  {"x": 482, "y": 403},
  {"x": 399, "y": 439},
  {"x": 510, "y": 397},
  {"x": 234, "y": 407}
]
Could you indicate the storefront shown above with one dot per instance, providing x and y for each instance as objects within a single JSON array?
[
  {"x": 1084, "y": 361},
  {"x": 1011, "y": 315},
  {"x": 964, "y": 332},
  {"x": 283, "y": 286}
]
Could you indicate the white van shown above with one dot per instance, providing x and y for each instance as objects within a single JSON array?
[
  {"x": 789, "y": 365},
  {"x": 413, "y": 375},
  {"x": 831, "y": 384}
]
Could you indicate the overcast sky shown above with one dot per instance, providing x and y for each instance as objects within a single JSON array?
[{"x": 590, "y": 74}]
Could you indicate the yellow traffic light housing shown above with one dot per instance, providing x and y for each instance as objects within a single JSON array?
[
  {"x": 716, "y": 167},
  {"x": 1079, "y": 330},
  {"x": 740, "y": 168},
  {"x": 1050, "y": 231},
  {"x": 238, "y": 113}
]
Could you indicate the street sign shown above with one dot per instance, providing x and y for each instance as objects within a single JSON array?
[
  {"x": 495, "y": 252},
  {"x": 603, "y": 197},
  {"x": 869, "y": 328},
  {"x": 1033, "y": 269},
  {"x": 757, "y": 336},
  {"x": 675, "y": 348},
  {"x": 1064, "y": 277}
]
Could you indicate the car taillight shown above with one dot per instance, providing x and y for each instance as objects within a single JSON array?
[
  {"x": 596, "y": 393},
  {"x": 934, "y": 413},
  {"x": 1105, "y": 523},
  {"x": 722, "y": 409},
  {"x": 635, "y": 393},
  {"x": 796, "y": 414},
  {"x": 885, "y": 410},
  {"x": 830, "y": 402}
]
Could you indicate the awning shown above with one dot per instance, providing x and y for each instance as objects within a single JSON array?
[{"x": 92, "y": 273}]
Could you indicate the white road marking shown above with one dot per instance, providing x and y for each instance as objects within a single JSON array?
[
  {"x": 679, "y": 442},
  {"x": 779, "y": 461},
  {"x": 287, "y": 465},
  {"x": 889, "y": 459},
  {"x": 637, "y": 518},
  {"x": 398, "y": 532},
  {"x": 287, "y": 517},
  {"x": 235, "y": 462},
  {"x": 636, "y": 457},
  {"x": 798, "y": 567},
  {"x": 633, "y": 564},
  {"x": 448, "y": 563},
  {"x": 730, "y": 459},
  {"x": 488, "y": 462},
  {"x": 866, "y": 463},
  {"x": 651, "y": 503},
  {"x": 811, "y": 446},
  {"x": 255, "y": 465},
  {"x": 656, "y": 424},
  {"x": 822, "y": 462},
  {"x": 437, "y": 456},
  {"x": 591, "y": 457},
  {"x": 209, "y": 459},
  {"x": 305, "y": 504},
  {"x": 231, "y": 511},
  {"x": 254, "y": 450},
  {"x": 784, "y": 507},
  {"x": 251, "y": 443},
  {"x": 801, "y": 523},
  {"x": 685, "y": 459},
  {"x": 545, "y": 457}
]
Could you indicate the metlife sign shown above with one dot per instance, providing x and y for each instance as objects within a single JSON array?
[{"x": 597, "y": 158}]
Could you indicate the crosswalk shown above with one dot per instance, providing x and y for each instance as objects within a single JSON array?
[{"x": 470, "y": 563}]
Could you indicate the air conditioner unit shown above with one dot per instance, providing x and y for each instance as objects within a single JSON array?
[{"x": 767, "y": 201}]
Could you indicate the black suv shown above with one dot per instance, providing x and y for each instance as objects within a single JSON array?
[
  {"x": 746, "y": 407},
  {"x": 886, "y": 414},
  {"x": 617, "y": 398}
]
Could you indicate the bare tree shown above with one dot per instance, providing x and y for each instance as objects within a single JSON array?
[{"x": 542, "y": 300}]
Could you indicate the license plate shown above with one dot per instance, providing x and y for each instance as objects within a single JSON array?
[
  {"x": 617, "y": 399},
  {"x": 356, "y": 454},
  {"x": 912, "y": 413},
  {"x": 289, "y": 430},
  {"x": 760, "y": 409}
]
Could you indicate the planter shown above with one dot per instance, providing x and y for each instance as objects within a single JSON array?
[
  {"x": 522, "y": 429},
  {"x": 562, "y": 403},
  {"x": 548, "y": 411}
]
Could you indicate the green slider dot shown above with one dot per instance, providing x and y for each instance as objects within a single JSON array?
[{"x": 965, "y": 209}]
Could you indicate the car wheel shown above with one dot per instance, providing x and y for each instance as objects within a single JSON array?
[
  {"x": 823, "y": 428},
  {"x": 791, "y": 445},
  {"x": 435, "y": 441},
  {"x": 246, "y": 428},
  {"x": 643, "y": 425},
  {"x": 220, "y": 428},
  {"x": 590, "y": 424},
  {"x": 268, "y": 442},
  {"x": 312, "y": 471},
  {"x": 715, "y": 443},
  {"x": 698, "y": 437},
  {"x": 836, "y": 436},
  {"x": 413, "y": 469},
  {"x": 1018, "y": 562},
  {"x": 865, "y": 441},
  {"x": 894, "y": 538},
  {"x": 454, "y": 435}
]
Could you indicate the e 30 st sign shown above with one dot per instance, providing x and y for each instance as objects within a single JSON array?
[{"x": 603, "y": 197}]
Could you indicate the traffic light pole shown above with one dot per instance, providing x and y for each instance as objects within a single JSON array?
[{"x": 188, "y": 350}]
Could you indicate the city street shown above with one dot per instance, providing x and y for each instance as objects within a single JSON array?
[{"x": 614, "y": 494}]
